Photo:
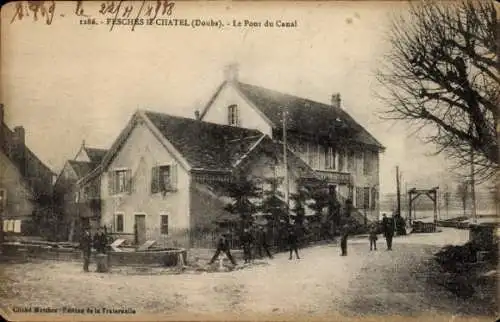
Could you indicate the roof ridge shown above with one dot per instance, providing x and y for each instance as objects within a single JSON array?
[{"x": 324, "y": 105}]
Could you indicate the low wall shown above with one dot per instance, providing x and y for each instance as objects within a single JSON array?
[{"x": 159, "y": 257}]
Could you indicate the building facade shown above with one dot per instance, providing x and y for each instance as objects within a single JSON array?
[
  {"x": 160, "y": 178},
  {"x": 25, "y": 183},
  {"x": 324, "y": 136}
]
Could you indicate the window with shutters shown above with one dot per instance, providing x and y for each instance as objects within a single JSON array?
[
  {"x": 359, "y": 197},
  {"x": 341, "y": 160},
  {"x": 164, "y": 224},
  {"x": 329, "y": 157},
  {"x": 119, "y": 181},
  {"x": 366, "y": 198},
  {"x": 351, "y": 161},
  {"x": 232, "y": 115},
  {"x": 119, "y": 223},
  {"x": 163, "y": 178}
]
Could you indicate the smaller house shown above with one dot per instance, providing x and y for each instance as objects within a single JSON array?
[
  {"x": 158, "y": 178},
  {"x": 25, "y": 182},
  {"x": 76, "y": 205}
]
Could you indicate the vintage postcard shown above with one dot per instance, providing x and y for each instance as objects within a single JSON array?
[{"x": 249, "y": 160}]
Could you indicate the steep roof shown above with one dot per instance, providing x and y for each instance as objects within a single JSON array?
[
  {"x": 95, "y": 155},
  {"x": 303, "y": 115},
  {"x": 82, "y": 168},
  {"x": 207, "y": 146}
]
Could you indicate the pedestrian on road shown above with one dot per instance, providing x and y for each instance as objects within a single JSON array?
[
  {"x": 247, "y": 242},
  {"x": 373, "y": 236},
  {"x": 100, "y": 241},
  {"x": 222, "y": 246},
  {"x": 293, "y": 241},
  {"x": 388, "y": 227},
  {"x": 343, "y": 240},
  {"x": 86, "y": 247},
  {"x": 262, "y": 242}
]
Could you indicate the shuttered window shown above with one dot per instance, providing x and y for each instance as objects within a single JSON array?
[
  {"x": 351, "y": 161},
  {"x": 359, "y": 197},
  {"x": 119, "y": 181},
  {"x": 374, "y": 198},
  {"x": 164, "y": 178},
  {"x": 366, "y": 198},
  {"x": 232, "y": 115}
]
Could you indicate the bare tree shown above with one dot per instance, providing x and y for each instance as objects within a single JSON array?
[
  {"x": 463, "y": 194},
  {"x": 441, "y": 76}
]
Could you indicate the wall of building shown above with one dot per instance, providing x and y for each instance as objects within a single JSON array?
[
  {"x": 140, "y": 153},
  {"x": 248, "y": 116},
  {"x": 18, "y": 205}
]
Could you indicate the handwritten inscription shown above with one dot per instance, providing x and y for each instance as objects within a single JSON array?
[
  {"x": 135, "y": 13},
  {"x": 46, "y": 11}
]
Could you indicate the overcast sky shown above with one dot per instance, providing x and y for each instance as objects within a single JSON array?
[{"x": 67, "y": 82}]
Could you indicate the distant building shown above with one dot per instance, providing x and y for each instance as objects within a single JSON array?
[
  {"x": 159, "y": 179},
  {"x": 76, "y": 207},
  {"x": 25, "y": 182},
  {"x": 325, "y": 136}
]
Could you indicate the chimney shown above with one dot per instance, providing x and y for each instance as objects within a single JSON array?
[
  {"x": 231, "y": 72},
  {"x": 197, "y": 115},
  {"x": 19, "y": 147},
  {"x": 336, "y": 100}
]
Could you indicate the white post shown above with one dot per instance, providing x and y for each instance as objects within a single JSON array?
[{"x": 472, "y": 186}]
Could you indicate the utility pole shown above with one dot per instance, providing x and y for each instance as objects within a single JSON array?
[
  {"x": 285, "y": 161},
  {"x": 398, "y": 192}
]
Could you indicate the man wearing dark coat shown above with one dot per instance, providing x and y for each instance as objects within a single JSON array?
[
  {"x": 86, "y": 247},
  {"x": 262, "y": 242},
  {"x": 222, "y": 246},
  {"x": 388, "y": 229},
  {"x": 100, "y": 241},
  {"x": 343, "y": 240},
  {"x": 293, "y": 241},
  {"x": 247, "y": 242}
]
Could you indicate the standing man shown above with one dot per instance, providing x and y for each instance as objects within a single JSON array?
[
  {"x": 100, "y": 241},
  {"x": 86, "y": 247},
  {"x": 247, "y": 241},
  {"x": 262, "y": 242},
  {"x": 343, "y": 240},
  {"x": 293, "y": 241},
  {"x": 222, "y": 246},
  {"x": 388, "y": 227}
]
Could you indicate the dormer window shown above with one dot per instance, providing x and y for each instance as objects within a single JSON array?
[{"x": 232, "y": 115}]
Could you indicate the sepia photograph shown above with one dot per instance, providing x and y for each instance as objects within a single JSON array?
[{"x": 249, "y": 160}]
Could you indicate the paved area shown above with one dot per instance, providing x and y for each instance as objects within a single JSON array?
[{"x": 321, "y": 282}]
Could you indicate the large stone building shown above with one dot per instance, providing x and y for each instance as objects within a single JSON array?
[{"x": 325, "y": 136}]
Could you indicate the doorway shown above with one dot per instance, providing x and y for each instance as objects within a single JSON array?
[{"x": 140, "y": 227}]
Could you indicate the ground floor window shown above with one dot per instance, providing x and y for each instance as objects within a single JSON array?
[
  {"x": 119, "y": 223},
  {"x": 164, "y": 224}
]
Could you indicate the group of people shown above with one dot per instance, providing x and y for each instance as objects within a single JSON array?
[
  {"x": 87, "y": 241},
  {"x": 388, "y": 227},
  {"x": 256, "y": 241}
]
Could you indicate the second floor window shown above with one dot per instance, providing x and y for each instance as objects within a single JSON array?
[
  {"x": 351, "y": 161},
  {"x": 164, "y": 178},
  {"x": 232, "y": 115},
  {"x": 329, "y": 153},
  {"x": 119, "y": 181},
  {"x": 341, "y": 160}
]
